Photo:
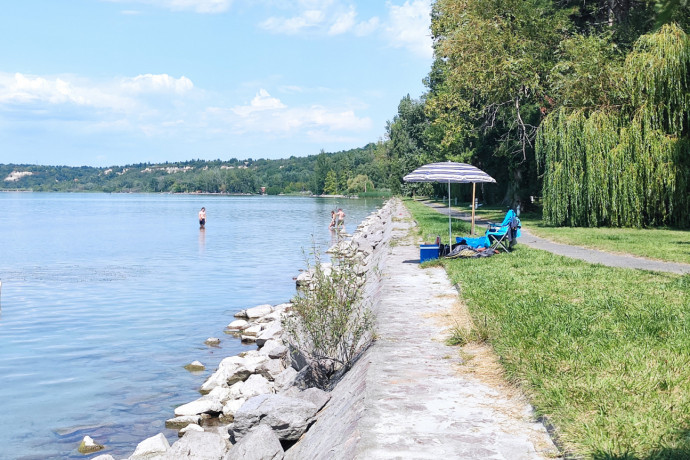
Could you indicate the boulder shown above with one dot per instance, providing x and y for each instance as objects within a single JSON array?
[
  {"x": 149, "y": 448},
  {"x": 272, "y": 331},
  {"x": 182, "y": 421},
  {"x": 248, "y": 338},
  {"x": 254, "y": 330},
  {"x": 237, "y": 325},
  {"x": 188, "y": 428},
  {"x": 255, "y": 385},
  {"x": 274, "y": 316},
  {"x": 198, "y": 445},
  {"x": 285, "y": 379},
  {"x": 270, "y": 369},
  {"x": 317, "y": 397},
  {"x": 89, "y": 446},
  {"x": 205, "y": 404},
  {"x": 103, "y": 457},
  {"x": 212, "y": 341},
  {"x": 260, "y": 443},
  {"x": 231, "y": 407},
  {"x": 259, "y": 311},
  {"x": 241, "y": 314},
  {"x": 273, "y": 349},
  {"x": 195, "y": 366},
  {"x": 233, "y": 369},
  {"x": 289, "y": 417}
]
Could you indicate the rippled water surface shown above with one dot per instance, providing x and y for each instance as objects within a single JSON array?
[{"x": 106, "y": 297}]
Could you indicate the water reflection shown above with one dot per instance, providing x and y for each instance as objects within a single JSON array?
[{"x": 202, "y": 240}]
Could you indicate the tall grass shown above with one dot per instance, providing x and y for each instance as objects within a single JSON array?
[{"x": 603, "y": 352}]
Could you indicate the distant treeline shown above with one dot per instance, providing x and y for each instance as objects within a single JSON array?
[{"x": 353, "y": 171}]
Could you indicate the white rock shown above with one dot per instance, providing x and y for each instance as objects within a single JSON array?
[
  {"x": 273, "y": 331},
  {"x": 212, "y": 341},
  {"x": 198, "y": 445},
  {"x": 248, "y": 338},
  {"x": 260, "y": 443},
  {"x": 231, "y": 407},
  {"x": 188, "y": 428},
  {"x": 203, "y": 405},
  {"x": 195, "y": 366},
  {"x": 256, "y": 385},
  {"x": 233, "y": 369},
  {"x": 88, "y": 445},
  {"x": 252, "y": 330},
  {"x": 270, "y": 369},
  {"x": 151, "y": 447},
  {"x": 238, "y": 325},
  {"x": 259, "y": 311},
  {"x": 285, "y": 379},
  {"x": 241, "y": 314},
  {"x": 182, "y": 421},
  {"x": 103, "y": 457},
  {"x": 271, "y": 317}
]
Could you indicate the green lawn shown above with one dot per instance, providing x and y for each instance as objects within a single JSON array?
[
  {"x": 603, "y": 352},
  {"x": 662, "y": 244}
]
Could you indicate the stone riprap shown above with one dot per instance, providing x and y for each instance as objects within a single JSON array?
[{"x": 251, "y": 398}]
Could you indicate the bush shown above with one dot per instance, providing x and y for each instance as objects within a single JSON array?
[{"x": 331, "y": 321}]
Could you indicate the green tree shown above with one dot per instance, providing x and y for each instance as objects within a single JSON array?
[{"x": 331, "y": 183}]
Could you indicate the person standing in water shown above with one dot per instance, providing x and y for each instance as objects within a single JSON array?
[
  {"x": 340, "y": 218},
  {"x": 202, "y": 218},
  {"x": 332, "y": 224}
]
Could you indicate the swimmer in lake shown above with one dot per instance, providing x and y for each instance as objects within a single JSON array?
[{"x": 202, "y": 218}]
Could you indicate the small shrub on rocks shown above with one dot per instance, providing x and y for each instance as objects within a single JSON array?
[{"x": 331, "y": 322}]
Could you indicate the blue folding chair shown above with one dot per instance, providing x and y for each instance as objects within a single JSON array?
[{"x": 506, "y": 233}]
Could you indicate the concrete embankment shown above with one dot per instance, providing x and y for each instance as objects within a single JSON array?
[{"x": 408, "y": 396}]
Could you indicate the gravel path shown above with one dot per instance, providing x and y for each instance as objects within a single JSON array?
[{"x": 576, "y": 252}]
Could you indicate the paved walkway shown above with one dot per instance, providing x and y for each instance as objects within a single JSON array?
[
  {"x": 411, "y": 396},
  {"x": 589, "y": 255}
]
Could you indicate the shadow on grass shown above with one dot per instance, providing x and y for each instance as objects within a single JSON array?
[{"x": 663, "y": 454}]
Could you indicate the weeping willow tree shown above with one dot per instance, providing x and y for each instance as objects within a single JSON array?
[{"x": 625, "y": 165}]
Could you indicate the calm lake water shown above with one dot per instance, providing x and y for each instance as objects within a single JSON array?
[{"x": 106, "y": 297}]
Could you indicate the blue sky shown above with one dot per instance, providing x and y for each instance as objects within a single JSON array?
[{"x": 114, "y": 82}]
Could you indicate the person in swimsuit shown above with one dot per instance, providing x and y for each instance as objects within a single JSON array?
[
  {"x": 332, "y": 224},
  {"x": 202, "y": 218},
  {"x": 340, "y": 216}
]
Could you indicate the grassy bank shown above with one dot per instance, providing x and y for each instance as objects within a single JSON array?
[{"x": 604, "y": 353}]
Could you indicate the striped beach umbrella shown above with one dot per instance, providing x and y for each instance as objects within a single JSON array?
[{"x": 451, "y": 173}]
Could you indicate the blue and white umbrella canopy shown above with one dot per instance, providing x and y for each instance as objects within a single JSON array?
[{"x": 451, "y": 173}]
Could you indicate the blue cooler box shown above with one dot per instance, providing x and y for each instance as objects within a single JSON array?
[{"x": 428, "y": 252}]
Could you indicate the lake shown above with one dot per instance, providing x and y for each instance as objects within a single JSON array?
[{"x": 105, "y": 297}]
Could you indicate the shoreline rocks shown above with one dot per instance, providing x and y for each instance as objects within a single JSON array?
[{"x": 259, "y": 403}]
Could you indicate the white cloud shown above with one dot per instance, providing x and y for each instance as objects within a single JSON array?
[
  {"x": 261, "y": 102},
  {"x": 156, "y": 83},
  {"x": 367, "y": 27},
  {"x": 198, "y": 6},
  {"x": 266, "y": 114},
  {"x": 343, "y": 22},
  {"x": 309, "y": 19},
  {"x": 29, "y": 90},
  {"x": 408, "y": 26}
]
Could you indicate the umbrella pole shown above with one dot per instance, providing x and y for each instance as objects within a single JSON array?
[
  {"x": 473, "y": 188},
  {"x": 450, "y": 242}
]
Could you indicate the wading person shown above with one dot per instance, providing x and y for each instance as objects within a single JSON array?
[
  {"x": 202, "y": 218},
  {"x": 340, "y": 218},
  {"x": 332, "y": 224}
]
